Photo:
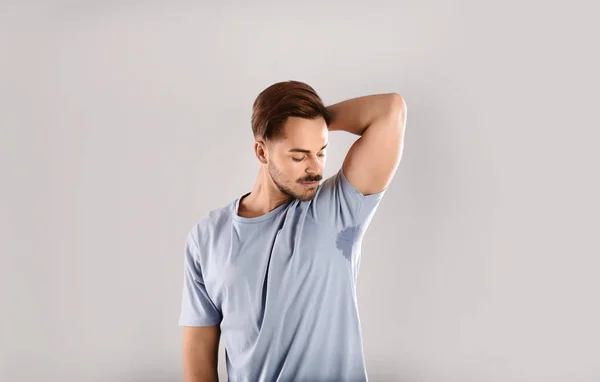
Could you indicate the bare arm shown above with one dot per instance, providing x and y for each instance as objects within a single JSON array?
[
  {"x": 380, "y": 120},
  {"x": 200, "y": 353}
]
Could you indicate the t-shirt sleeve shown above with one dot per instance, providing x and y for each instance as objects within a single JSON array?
[
  {"x": 345, "y": 207},
  {"x": 197, "y": 308}
]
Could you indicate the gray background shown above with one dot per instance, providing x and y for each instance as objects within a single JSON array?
[{"x": 122, "y": 123}]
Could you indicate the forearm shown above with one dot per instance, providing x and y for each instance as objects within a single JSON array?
[{"x": 357, "y": 114}]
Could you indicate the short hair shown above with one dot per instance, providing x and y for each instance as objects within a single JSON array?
[{"x": 281, "y": 100}]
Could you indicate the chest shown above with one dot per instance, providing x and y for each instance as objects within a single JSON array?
[{"x": 267, "y": 265}]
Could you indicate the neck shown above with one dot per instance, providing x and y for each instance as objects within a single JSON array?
[{"x": 264, "y": 197}]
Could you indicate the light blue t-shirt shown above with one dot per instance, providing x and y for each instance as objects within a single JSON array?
[{"x": 282, "y": 286}]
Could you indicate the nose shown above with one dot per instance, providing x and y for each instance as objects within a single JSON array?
[{"x": 313, "y": 166}]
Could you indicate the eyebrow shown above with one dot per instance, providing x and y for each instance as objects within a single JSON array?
[{"x": 297, "y": 150}]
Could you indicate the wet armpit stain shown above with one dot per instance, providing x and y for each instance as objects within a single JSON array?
[{"x": 345, "y": 242}]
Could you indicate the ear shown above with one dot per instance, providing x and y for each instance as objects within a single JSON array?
[{"x": 260, "y": 149}]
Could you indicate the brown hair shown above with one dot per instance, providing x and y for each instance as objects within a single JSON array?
[{"x": 285, "y": 99}]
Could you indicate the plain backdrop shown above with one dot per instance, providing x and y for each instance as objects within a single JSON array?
[{"x": 124, "y": 122}]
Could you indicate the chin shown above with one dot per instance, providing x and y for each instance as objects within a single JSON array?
[{"x": 306, "y": 195}]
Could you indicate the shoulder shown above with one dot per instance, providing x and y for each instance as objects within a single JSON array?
[
  {"x": 341, "y": 203},
  {"x": 211, "y": 224},
  {"x": 336, "y": 190},
  {"x": 329, "y": 186}
]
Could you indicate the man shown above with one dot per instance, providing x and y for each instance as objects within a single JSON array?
[{"x": 274, "y": 272}]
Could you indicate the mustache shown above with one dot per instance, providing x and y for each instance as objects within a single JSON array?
[{"x": 311, "y": 179}]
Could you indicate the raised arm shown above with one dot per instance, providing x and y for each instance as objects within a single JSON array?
[{"x": 380, "y": 120}]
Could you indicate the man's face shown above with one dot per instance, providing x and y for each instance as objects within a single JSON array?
[{"x": 297, "y": 160}]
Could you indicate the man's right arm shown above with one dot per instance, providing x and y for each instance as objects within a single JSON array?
[
  {"x": 200, "y": 316},
  {"x": 200, "y": 353}
]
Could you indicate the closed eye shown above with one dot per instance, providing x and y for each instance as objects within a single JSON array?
[{"x": 321, "y": 155}]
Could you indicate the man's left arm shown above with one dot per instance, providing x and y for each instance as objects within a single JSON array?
[{"x": 380, "y": 120}]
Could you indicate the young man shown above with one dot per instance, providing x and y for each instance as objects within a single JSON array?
[{"x": 274, "y": 272}]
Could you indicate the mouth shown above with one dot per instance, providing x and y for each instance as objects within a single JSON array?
[{"x": 309, "y": 184}]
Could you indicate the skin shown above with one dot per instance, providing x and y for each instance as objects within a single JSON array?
[
  {"x": 200, "y": 353},
  {"x": 298, "y": 155}
]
